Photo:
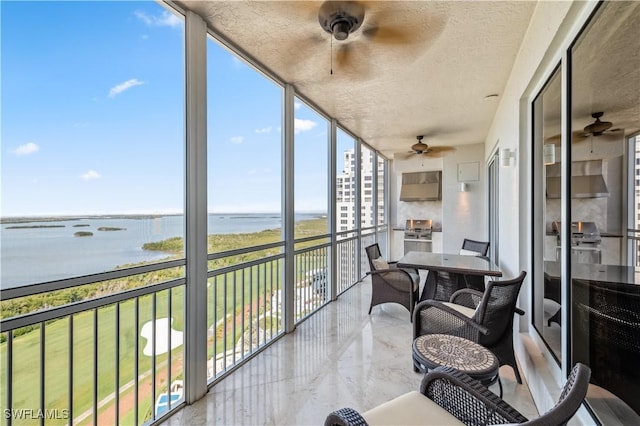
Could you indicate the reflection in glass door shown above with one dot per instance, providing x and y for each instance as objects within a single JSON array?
[
  {"x": 633, "y": 194},
  {"x": 605, "y": 297},
  {"x": 494, "y": 233},
  {"x": 548, "y": 170}
]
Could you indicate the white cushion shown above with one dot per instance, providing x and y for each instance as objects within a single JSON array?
[
  {"x": 412, "y": 408},
  {"x": 380, "y": 263},
  {"x": 470, "y": 253},
  {"x": 468, "y": 312}
]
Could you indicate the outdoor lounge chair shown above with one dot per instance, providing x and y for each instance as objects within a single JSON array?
[{"x": 449, "y": 397}]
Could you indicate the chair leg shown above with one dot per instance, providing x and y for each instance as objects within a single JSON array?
[
  {"x": 370, "y": 307},
  {"x": 517, "y": 373}
]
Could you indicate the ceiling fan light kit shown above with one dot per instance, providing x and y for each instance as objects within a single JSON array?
[
  {"x": 340, "y": 18},
  {"x": 422, "y": 148},
  {"x": 598, "y": 127}
]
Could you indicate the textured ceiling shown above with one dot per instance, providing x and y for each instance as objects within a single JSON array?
[
  {"x": 416, "y": 67},
  {"x": 605, "y": 76}
]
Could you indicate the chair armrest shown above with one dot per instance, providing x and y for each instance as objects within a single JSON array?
[
  {"x": 467, "y": 399},
  {"x": 399, "y": 279},
  {"x": 434, "y": 317},
  {"x": 345, "y": 417},
  {"x": 394, "y": 264},
  {"x": 467, "y": 297}
]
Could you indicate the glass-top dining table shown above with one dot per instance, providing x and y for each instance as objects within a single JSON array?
[{"x": 458, "y": 264}]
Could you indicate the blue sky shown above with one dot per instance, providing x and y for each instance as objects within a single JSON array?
[{"x": 93, "y": 117}]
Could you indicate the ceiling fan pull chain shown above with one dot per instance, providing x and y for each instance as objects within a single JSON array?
[{"x": 331, "y": 54}]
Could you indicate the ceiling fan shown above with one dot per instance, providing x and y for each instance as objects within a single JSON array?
[
  {"x": 421, "y": 148},
  {"x": 355, "y": 25},
  {"x": 341, "y": 18},
  {"x": 597, "y": 128}
]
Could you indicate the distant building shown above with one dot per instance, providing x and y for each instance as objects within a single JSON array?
[{"x": 346, "y": 191}]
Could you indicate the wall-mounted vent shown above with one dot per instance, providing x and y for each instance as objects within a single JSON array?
[
  {"x": 421, "y": 186},
  {"x": 587, "y": 180}
]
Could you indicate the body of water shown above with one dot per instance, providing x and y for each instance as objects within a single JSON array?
[{"x": 39, "y": 250}]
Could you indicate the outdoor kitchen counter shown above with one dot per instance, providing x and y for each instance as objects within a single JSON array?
[{"x": 596, "y": 272}]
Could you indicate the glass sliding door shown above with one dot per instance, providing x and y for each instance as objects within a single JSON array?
[
  {"x": 547, "y": 228},
  {"x": 605, "y": 285},
  {"x": 493, "y": 182}
]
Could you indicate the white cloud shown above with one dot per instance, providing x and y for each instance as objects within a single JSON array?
[
  {"x": 264, "y": 130},
  {"x": 237, "y": 139},
  {"x": 300, "y": 125},
  {"x": 90, "y": 175},
  {"x": 165, "y": 19},
  {"x": 297, "y": 105},
  {"x": 26, "y": 149},
  {"x": 116, "y": 90}
]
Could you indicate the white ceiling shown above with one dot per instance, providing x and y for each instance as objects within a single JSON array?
[{"x": 426, "y": 70}]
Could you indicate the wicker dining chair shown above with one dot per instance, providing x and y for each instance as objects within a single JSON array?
[
  {"x": 442, "y": 284},
  {"x": 475, "y": 282},
  {"x": 449, "y": 397},
  {"x": 485, "y": 318},
  {"x": 390, "y": 283}
]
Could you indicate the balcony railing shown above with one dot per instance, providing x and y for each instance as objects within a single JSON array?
[
  {"x": 83, "y": 363},
  {"x": 118, "y": 357}
]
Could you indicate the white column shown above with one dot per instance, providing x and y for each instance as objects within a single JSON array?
[
  {"x": 195, "y": 347},
  {"x": 288, "y": 208}
]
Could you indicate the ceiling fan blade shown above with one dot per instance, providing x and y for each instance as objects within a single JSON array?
[
  {"x": 343, "y": 55},
  {"x": 405, "y": 156},
  {"x": 438, "y": 151},
  {"x": 442, "y": 148},
  {"x": 577, "y": 136},
  {"x": 387, "y": 35}
]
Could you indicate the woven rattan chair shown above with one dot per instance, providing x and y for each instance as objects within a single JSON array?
[
  {"x": 606, "y": 327},
  {"x": 441, "y": 285},
  {"x": 391, "y": 284},
  {"x": 485, "y": 318},
  {"x": 480, "y": 247},
  {"x": 449, "y": 397},
  {"x": 475, "y": 282}
]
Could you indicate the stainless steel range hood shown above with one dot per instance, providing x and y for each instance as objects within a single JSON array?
[
  {"x": 421, "y": 186},
  {"x": 587, "y": 180}
]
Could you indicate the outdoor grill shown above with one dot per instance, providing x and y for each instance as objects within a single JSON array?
[
  {"x": 585, "y": 241},
  {"x": 417, "y": 235}
]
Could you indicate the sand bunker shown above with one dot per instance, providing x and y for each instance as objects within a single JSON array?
[{"x": 162, "y": 341}]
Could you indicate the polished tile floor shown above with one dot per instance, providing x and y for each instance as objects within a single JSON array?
[{"x": 339, "y": 357}]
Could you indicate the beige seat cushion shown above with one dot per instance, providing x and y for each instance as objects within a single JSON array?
[
  {"x": 412, "y": 408},
  {"x": 468, "y": 312},
  {"x": 380, "y": 264}
]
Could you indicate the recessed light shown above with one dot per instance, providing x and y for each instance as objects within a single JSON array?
[{"x": 491, "y": 96}]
